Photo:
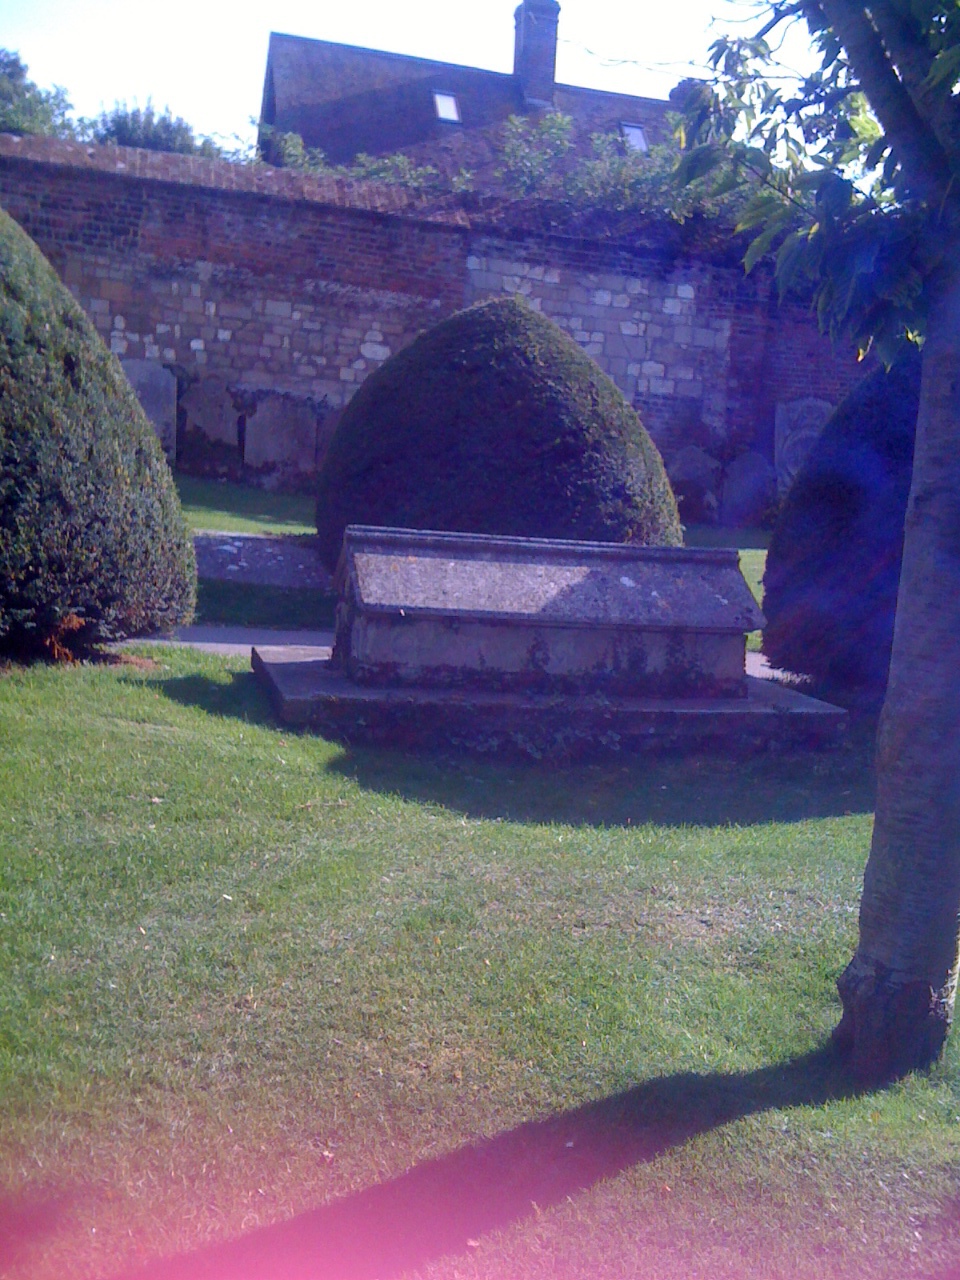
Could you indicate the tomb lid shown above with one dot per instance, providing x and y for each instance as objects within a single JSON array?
[{"x": 417, "y": 573}]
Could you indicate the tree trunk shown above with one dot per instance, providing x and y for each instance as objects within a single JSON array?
[{"x": 898, "y": 991}]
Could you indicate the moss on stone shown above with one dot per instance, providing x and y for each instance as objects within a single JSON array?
[
  {"x": 495, "y": 421},
  {"x": 93, "y": 544}
]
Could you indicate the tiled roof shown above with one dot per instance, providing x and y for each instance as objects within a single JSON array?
[{"x": 346, "y": 100}]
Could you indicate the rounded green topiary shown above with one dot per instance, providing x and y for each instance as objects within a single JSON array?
[
  {"x": 93, "y": 544},
  {"x": 495, "y": 422},
  {"x": 830, "y": 584}
]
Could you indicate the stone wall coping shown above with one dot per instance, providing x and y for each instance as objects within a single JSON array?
[
  {"x": 224, "y": 175},
  {"x": 504, "y": 220}
]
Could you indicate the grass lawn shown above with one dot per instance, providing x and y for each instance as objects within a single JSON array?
[
  {"x": 219, "y": 506},
  {"x": 247, "y": 974}
]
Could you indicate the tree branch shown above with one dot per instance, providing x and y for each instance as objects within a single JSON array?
[
  {"x": 912, "y": 58},
  {"x": 922, "y": 158}
]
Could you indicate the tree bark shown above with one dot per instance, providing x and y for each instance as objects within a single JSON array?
[
  {"x": 921, "y": 155},
  {"x": 898, "y": 991}
]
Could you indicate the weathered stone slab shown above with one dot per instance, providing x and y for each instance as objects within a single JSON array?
[
  {"x": 156, "y": 389},
  {"x": 442, "y": 610},
  {"x": 209, "y": 410},
  {"x": 798, "y": 426},
  {"x": 316, "y": 694},
  {"x": 282, "y": 431}
]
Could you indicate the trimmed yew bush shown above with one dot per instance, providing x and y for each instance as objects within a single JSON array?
[
  {"x": 495, "y": 421},
  {"x": 93, "y": 545},
  {"x": 830, "y": 585}
]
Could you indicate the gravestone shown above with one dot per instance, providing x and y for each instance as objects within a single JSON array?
[
  {"x": 797, "y": 427},
  {"x": 749, "y": 489},
  {"x": 282, "y": 431},
  {"x": 209, "y": 411},
  {"x": 539, "y": 648},
  {"x": 694, "y": 478},
  {"x": 536, "y": 615},
  {"x": 156, "y": 389}
]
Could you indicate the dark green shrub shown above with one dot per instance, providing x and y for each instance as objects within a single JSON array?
[
  {"x": 830, "y": 585},
  {"x": 149, "y": 129},
  {"x": 93, "y": 544},
  {"x": 495, "y": 422}
]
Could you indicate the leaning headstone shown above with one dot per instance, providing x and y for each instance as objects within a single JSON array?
[
  {"x": 282, "y": 432},
  {"x": 694, "y": 478},
  {"x": 156, "y": 389},
  {"x": 209, "y": 410}
]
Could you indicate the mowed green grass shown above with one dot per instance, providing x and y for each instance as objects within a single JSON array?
[
  {"x": 245, "y": 973},
  {"x": 220, "y": 506}
]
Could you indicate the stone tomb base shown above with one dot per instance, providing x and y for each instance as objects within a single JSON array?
[{"x": 309, "y": 691}]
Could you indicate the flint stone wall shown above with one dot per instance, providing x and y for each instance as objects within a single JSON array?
[{"x": 271, "y": 296}]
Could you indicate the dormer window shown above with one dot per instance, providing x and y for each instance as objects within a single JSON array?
[
  {"x": 634, "y": 136},
  {"x": 447, "y": 107}
]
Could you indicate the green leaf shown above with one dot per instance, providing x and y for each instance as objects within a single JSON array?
[
  {"x": 698, "y": 162},
  {"x": 946, "y": 67},
  {"x": 760, "y": 210},
  {"x": 760, "y": 247},
  {"x": 797, "y": 251}
]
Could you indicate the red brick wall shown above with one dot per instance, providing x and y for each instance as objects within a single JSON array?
[{"x": 272, "y": 280}]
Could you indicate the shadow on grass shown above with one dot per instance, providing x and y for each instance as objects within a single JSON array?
[
  {"x": 440, "y": 1206},
  {"x": 24, "y": 1219},
  {"x": 705, "y": 789},
  {"x": 241, "y": 698}
]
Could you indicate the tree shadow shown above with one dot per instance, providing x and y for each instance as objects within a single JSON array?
[
  {"x": 25, "y": 1220},
  {"x": 438, "y": 1207}
]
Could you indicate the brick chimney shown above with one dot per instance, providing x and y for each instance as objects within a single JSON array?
[{"x": 535, "y": 51}]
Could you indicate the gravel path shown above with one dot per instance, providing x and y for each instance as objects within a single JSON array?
[{"x": 271, "y": 560}]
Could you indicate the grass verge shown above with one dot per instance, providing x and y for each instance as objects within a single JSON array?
[
  {"x": 220, "y": 506},
  {"x": 246, "y": 973}
]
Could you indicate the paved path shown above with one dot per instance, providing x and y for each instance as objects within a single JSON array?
[{"x": 238, "y": 641}]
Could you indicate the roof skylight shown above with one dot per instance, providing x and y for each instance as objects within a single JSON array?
[
  {"x": 634, "y": 136},
  {"x": 447, "y": 107}
]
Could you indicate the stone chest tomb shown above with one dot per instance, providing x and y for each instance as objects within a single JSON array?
[
  {"x": 538, "y": 648},
  {"x": 528, "y": 615}
]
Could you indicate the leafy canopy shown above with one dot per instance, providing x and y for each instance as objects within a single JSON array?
[
  {"x": 27, "y": 109},
  {"x": 149, "y": 129},
  {"x": 856, "y": 167}
]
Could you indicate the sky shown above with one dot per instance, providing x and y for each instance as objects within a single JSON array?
[{"x": 205, "y": 59}]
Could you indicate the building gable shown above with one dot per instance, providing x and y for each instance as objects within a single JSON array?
[{"x": 345, "y": 100}]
